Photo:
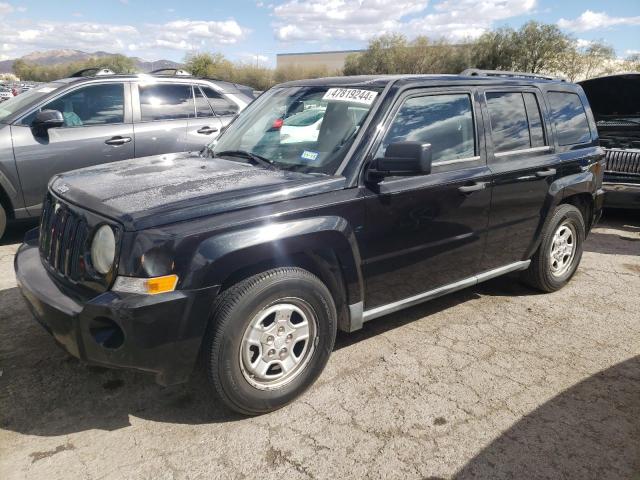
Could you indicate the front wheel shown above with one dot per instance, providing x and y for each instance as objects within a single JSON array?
[
  {"x": 560, "y": 251},
  {"x": 270, "y": 339}
]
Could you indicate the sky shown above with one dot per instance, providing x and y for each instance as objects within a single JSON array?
[{"x": 255, "y": 31}]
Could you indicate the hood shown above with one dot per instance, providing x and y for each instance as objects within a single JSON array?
[
  {"x": 614, "y": 95},
  {"x": 152, "y": 191}
]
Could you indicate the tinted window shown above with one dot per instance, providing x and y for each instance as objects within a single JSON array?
[
  {"x": 536, "y": 130},
  {"x": 91, "y": 105},
  {"x": 509, "y": 128},
  {"x": 203, "y": 109},
  {"x": 444, "y": 121},
  {"x": 570, "y": 118},
  {"x": 220, "y": 105},
  {"x": 165, "y": 102}
]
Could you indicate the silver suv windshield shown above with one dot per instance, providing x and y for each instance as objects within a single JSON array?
[
  {"x": 15, "y": 104},
  {"x": 306, "y": 129}
]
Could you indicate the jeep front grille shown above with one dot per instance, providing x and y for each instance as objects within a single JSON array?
[
  {"x": 623, "y": 161},
  {"x": 63, "y": 237}
]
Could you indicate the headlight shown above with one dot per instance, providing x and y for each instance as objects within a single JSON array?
[{"x": 103, "y": 249}]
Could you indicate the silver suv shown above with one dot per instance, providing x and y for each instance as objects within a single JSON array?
[{"x": 82, "y": 121}]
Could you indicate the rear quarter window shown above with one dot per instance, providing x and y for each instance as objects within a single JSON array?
[{"x": 570, "y": 118}]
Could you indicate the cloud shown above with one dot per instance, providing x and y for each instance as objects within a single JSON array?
[
  {"x": 321, "y": 20},
  {"x": 318, "y": 20},
  {"x": 5, "y": 9},
  {"x": 184, "y": 35},
  {"x": 590, "y": 20}
]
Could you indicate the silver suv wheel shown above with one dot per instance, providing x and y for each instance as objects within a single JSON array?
[
  {"x": 563, "y": 248},
  {"x": 278, "y": 343}
]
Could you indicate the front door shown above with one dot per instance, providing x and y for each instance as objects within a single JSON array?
[
  {"x": 523, "y": 166},
  {"x": 428, "y": 231},
  {"x": 97, "y": 129}
]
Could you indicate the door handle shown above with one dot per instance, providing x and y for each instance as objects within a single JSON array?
[
  {"x": 118, "y": 140},
  {"x": 473, "y": 188},
  {"x": 547, "y": 172},
  {"x": 207, "y": 130}
]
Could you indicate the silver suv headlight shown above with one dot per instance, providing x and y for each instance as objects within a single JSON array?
[{"x": 103, "y": 249}]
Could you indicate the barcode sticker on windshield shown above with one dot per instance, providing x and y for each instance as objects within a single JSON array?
[
  {"x": 353, "y": 95},
  {"x": 46, "y": 89}
]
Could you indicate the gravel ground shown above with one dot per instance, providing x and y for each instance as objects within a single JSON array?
[{"x": 496, "y": 381}]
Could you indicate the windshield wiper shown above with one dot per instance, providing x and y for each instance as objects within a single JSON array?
[{"x": 252, "y": 157}]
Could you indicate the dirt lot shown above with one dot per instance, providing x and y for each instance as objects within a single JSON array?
[{"x": 496, "y": 381}]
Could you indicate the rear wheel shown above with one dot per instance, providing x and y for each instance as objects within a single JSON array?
[
  {"x": 3, "y": 221},
  {"x": 271, "y": 337},
  {"x": 560, "y": 251}
]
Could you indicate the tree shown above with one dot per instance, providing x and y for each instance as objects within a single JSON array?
[
  {"x": 539, "y": 47},
  {"x": 210, "y": 65},
  {"x": 495, "y": 50},
  {"x": 394, "y": 54}
]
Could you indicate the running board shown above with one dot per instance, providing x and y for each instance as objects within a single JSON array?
[{"x": 438, "y": 292}]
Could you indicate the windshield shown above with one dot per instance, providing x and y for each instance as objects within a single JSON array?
[
  {"x": 306, "y": 129},
  {"x": 15, "y": 104}
]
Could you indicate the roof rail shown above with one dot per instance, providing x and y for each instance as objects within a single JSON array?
[
  {"x": 170, "y": 71},
  {"x": 92, "y": 72},
  {"x": 477, "y": 72}
]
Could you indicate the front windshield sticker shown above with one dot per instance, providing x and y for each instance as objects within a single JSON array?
[
  {"x": 46, "y": 89},
  {"x": 309, "y": 155},
  {"x": 352, "y": 95}
]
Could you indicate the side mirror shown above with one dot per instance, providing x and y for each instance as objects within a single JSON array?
[
  {"x": 403, "y": 158},
  {"x": 45, "y": 120}
]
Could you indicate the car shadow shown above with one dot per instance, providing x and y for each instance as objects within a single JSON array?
[
  {"x": 16, "y": 230},
  {"x": 46, "y": 392},
  {"x": 618, "y": 233},
  {"x": 589, "y": 431}
]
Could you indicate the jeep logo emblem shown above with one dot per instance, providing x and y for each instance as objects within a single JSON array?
[{"x": 64, "y": 188}]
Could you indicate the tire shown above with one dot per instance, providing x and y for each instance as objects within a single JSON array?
[
  {"x": 277, "y": 303},
  {"x": 547, "y": 273},
  {"x": 3, "y": 221}
]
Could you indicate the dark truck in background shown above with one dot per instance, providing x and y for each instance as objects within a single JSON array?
[{"x": 615, "y": 102}]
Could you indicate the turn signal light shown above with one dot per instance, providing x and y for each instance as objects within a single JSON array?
[{"x": 146, "y": 286}]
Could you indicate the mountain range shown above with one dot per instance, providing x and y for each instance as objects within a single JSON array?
[{"x": 56, "y": 57}]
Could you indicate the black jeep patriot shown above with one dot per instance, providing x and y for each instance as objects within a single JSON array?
[{"x": 327, "y": 203}]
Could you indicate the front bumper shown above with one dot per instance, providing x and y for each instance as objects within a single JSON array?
[
  {"x": 160, "y": 334},
  {"x": 622, "y": 195}
]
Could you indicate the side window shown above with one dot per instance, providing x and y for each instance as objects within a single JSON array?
[
  {"x": 569, "y": 117},
  {"x": 509, "y": 127},
  {"x": 219, "y": 103},
  {"x": 444, "y": 121},
  {"x": 165, "y": 102},
  {"x": 203, "y": 109},
  {"x": 536, "y": 130},
  {"x": 90, "y": 105}
]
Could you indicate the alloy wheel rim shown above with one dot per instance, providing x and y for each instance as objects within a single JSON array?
[
  {"x": 278, "y": 344},
  {"x": 563, "y": 249}
]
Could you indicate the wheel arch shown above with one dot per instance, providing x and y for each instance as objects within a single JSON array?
[
  {"x": 324, "y": 246},
  {"x": 576, "y": 189}
]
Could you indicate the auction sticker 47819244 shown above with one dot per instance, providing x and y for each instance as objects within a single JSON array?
[{"x": 352, "y": 95}]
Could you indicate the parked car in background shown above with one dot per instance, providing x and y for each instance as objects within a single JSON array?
[
  {"x": 5, "y": 94},
  {"x": 302, "y": 126},
  {"x": 615, "y": 101},
  {"x": 81, "y": 121},
  {"x": 253, "y": 255}
]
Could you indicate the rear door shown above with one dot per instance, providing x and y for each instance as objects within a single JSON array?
[
  {"x": 205, "y": 126},
  {"x": 523, "y": 165},
  {"x": 97, "y": 129},
  {"x": 427, "y": 231},
  {"x": 162, "y": 111}
]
